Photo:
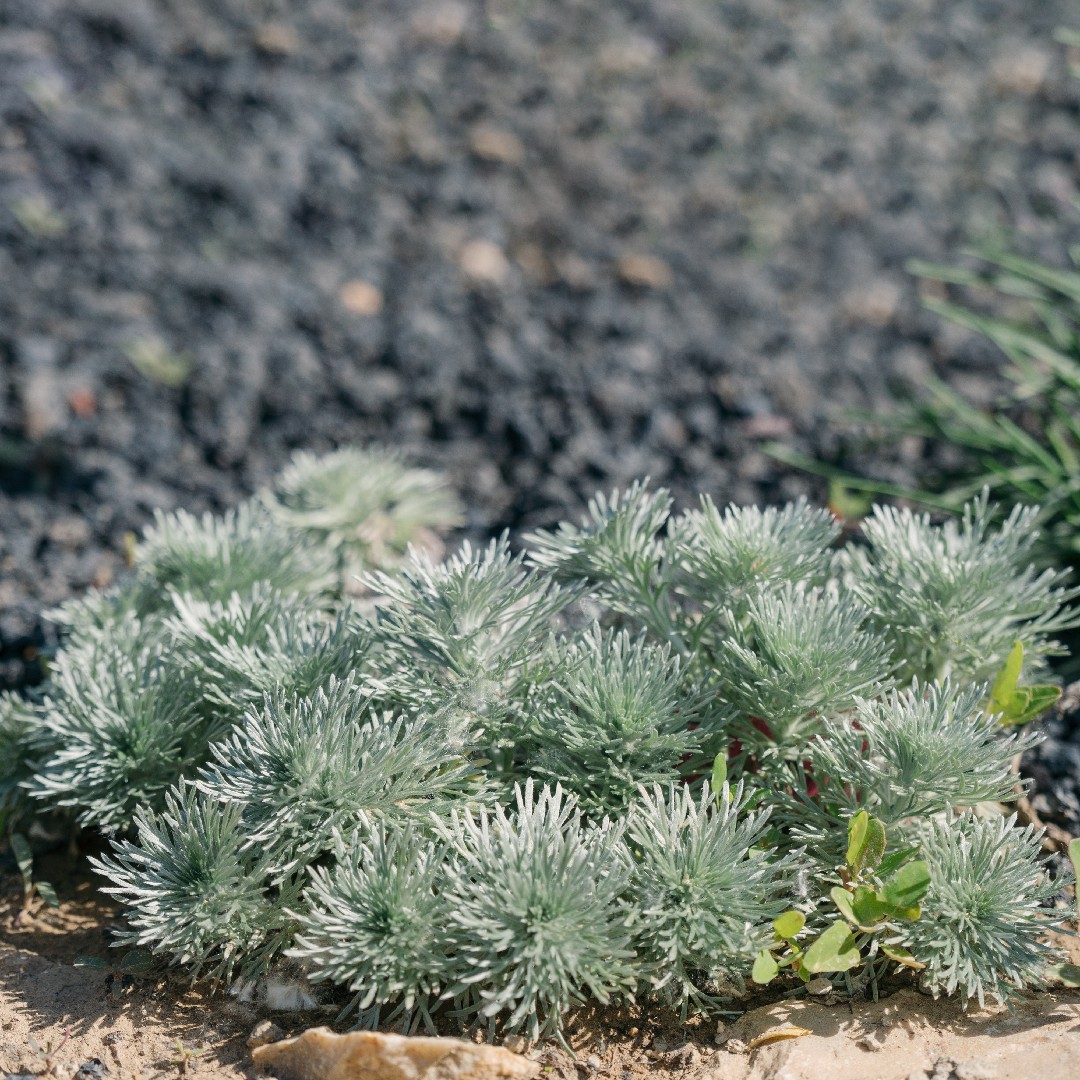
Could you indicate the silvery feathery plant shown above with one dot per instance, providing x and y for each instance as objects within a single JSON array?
[
  {"x": 367, "y": 507},
  {"x": 652, "y": 756}
]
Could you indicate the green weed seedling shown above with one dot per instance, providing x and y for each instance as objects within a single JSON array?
[
  {"x": 133, "y": 965},
  {"x": 33, "y": 889},
  {"x": 877, "y": 891},
  {"x": 46, "y": 1053},
  {"x": 1016, "y": 704},
  {"x": 186, "y": 1057}
]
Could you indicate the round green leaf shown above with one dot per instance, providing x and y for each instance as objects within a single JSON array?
[
  {"x": 765, "y": 969},
  {"x": 789, "y": 924},
  {"x": 835, "y": 950},
  {"x": 907, "y": 886}
]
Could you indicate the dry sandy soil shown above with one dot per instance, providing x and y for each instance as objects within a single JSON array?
[{"x": 52, "y": 1012}]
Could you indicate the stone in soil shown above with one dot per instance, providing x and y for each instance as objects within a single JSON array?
[{"x": 319, "y": 1054}]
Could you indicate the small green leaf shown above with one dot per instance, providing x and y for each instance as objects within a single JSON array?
[
  {"x": 906, "y": 914},
  {"x": 94, "y": 962},
  {"x": 902, "y": 956},
  {"x": 903, "y": 891},
  {"x": 765, "y": 969},
  {"x": 1016, "y": 704},
  {"x": 875, "y": 845},
  {"x": 24, "y": 856},
  {"x": 856, "y": 835},
  {"x": 1001, "y": 692},
  {"x": 842, "y": 899},
  {"x": 47, "y": 893},
  {"x": 789, "y": 924},
  {"x": 866, "y": 843},
  {"x": 835, "y": 950},
  {"x": 868, "y": 906},
  {"x": 895, "y": 861},
  {"x": 719, "y": 775},
  {"x": 1029, "y": 702},
  {"x": 137, "y": 962}
]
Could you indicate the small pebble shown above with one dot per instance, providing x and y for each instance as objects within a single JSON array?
[
  {"x": 875, "y": 303},
  {"x": 276, "y": 39},
  {"x": 441, "y": 23},
  {"x": 483, "y": 263},
  {"x": 819, "y": 987},
  {"x": 496, "y": 145},
  {"x": 264, "y": 1033},
  {"x": 1021, "y": 71},
  {"x": 644, "y": 271},
  {"x": 361, "y": 298},
  {"x": 628, "y": 57},
  {"x": 574, "y": 271}
]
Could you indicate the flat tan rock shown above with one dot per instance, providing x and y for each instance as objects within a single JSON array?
[{"x": 319, "y": 1054}]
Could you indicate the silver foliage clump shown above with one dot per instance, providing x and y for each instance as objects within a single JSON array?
[
  {"x": 914, "y": 753},
  {"x": 196, "y": 891},
  {"x": 984, "y": 921},
  {"x": 705, "y": 895},
  {"x": 210, "y": 557},
  {"x": 375, "y": 922},
  {"x": 366, "y": 507},
  {"x": 305, "y": 769},
  {"x": 505, "y": 784},
  {"x": 117, "y": 740},
  {"x": 938, "y": 594},
  {"x": 618, "y": 716},
  {"x": 467, "y": 639},
  {"x": 536, "y": 910},
  {"x": 801, "y": 655},
  {"x": 727, "y": 556}
]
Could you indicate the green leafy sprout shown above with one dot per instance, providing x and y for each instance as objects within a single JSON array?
[{"x": 33, "y": 888}]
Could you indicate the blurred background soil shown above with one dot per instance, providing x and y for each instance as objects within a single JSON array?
[{"x": 548, "y": 248}]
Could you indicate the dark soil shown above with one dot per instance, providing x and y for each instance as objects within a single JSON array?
[{"x": 596, "y": 240}]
